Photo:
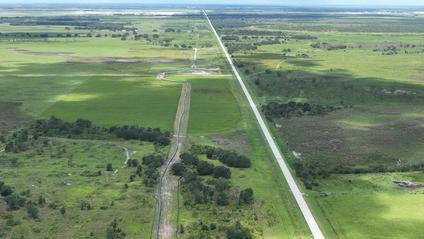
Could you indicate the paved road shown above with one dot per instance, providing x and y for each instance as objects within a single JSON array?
[{"x": 310, "y": 220}]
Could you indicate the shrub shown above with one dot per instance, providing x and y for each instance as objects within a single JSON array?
[
  {"x": 221, "y": 172},
  {"x": 189, "y": 159},
  {"x": 14, "y": 201},
  {"x": 246, "y": 196},
  {"x": 204, "y": 168},
  {"x": 32, "y": 210},
  {"x": 109, "y": 167},
  {"x": 178, "y": 169},
  {"x": 238, "y": 232}
]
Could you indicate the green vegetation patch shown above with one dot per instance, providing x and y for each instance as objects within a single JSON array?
[{"x": 111, "y": 101}]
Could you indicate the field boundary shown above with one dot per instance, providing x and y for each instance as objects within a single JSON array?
[{"x": 307, "y": 214}]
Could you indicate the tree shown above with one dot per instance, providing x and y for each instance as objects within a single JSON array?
[
  {"x": 5, "y": 190},
  {"x": 238, "y": 232},
  {"x": 109, "y": 167},
  {"x": 114, "y": 232},
  {"x": 189, "y": 159},
  {"x": 246, "y": 196},
  {"x": 178, "y": 169},
  {"x": 32, "y": 210},
  {"x": 221, "y": 172},
  {"x": 41, "y": 201},
  {"x": 14, "y": 201},
  {"x": 63, "y": 210},
  {"x": 223, "y": 199},
  {"x": 204, "y": 168},
  {"x": 222, "y": 184}
]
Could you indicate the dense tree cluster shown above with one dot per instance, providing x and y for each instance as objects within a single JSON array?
[
  {"x": 21, "y": 139},
  {"x": 235, "y": 47},
  {"x": 328, "y": 46},
  {"x": 229, "y": 158},
  {"x": 274, "y": 110},
  {"x": 205, "y": 183},
  {"x": 85, "y": 129},
  {"x": 78, "y": 22},
  {"x": 17, "y": 142},
  {"x": 151, "y": 164},
  {"x": 143, "y": 134},
  {"x": 230, "y": 38}
]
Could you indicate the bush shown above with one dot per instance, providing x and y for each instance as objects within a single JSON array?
[
  {"x": 63, "y": 210},
  {"x": 204, "y": 168},
  {"x": 153, "y": 161},
  {"x": 114, "y": 232},
  {"x": 189, "y": 159},
  {"x": 5, "y": 190},
  {"x": 109, "y": 167},
  {"x": 238, "y": 232},
  {"x": 223, "y": 199},
  {"x": 246, "y": 196},
  {"x": 178, "y": 169},
  {"x": 14, "y": 201},
  {"x": 222, "y": 172},
  {"x": 228, "y": 158},
  {"x": 32, "y": 210}
]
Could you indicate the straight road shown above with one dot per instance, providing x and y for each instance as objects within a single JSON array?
[
  {"x": 307, "y": 214},
  {"x": 167, "y": 185}
]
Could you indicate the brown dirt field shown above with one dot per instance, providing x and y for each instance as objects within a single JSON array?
[
  {"x": 42, "y": 53},
  {"x": 324, "y": 139},
  {"x": 234, "y": 141},
  {"x": 10, "y": 114},
  {"x": 78, "y": 59}
]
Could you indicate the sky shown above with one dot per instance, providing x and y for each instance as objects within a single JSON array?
[{"x": 241, "y": 2}]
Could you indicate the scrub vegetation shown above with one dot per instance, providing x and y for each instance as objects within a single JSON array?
[{"x": 344, "y": 95}]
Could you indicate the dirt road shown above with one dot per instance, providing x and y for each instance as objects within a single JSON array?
[{"x": 164, "y": 227}]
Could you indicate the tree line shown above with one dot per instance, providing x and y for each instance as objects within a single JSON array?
[
  {"x": 227, "y": 157},
  {"x": 81, "y": 129},
  {"x": 275, "y": 110}
]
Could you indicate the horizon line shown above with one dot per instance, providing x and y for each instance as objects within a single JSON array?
[{"x": 211, "y": 4}]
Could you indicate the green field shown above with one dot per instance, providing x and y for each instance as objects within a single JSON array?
[
  {"x": 374, "y": 76},
  {"x": 61, "y": 174},
  {"x": 107, "y": 80},
  {"x": 126, "y": 69}
]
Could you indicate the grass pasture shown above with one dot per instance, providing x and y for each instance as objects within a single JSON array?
[
  {"x": 108, "y": 80},
  {"x": 61, "y": 174},
  {"x": 371, "y": 206},
  {"x": 375, "y": 76}
]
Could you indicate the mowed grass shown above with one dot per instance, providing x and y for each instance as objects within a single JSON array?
[
  {"x": 111, "y": 101},
  {"x": 213, "y": 109},
  {"x": 61, "y": 175}
]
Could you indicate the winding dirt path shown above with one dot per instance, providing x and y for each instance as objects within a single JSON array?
[{"x": 168, "y": 184}]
